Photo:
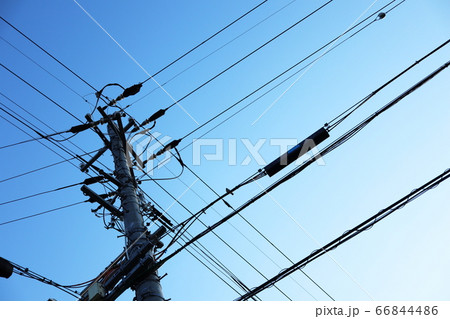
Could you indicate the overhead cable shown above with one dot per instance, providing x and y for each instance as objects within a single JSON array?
[
  {"x": 338, "y": 142},
  {"x": 351, "y": 233}
]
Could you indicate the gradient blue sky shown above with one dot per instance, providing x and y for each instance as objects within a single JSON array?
[{"x": 402, "y": 258}]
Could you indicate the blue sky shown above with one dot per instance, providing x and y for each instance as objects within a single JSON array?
[{"x": 402, "y": 258}]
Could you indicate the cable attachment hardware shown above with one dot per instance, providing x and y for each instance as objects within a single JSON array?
[
  {"x": 381, "y": 16},
  {"x": 154, "y": 117},
  {"x": 166, "y": 148},
  {"x": 132, "y": 90}
]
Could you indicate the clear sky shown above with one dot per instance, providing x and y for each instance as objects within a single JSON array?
[{"x": 404, "y": 257}]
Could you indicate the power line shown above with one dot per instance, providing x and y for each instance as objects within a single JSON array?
[
  {"x": 44, "y": 167},
  {"x": 280, "y": 75},
  {"x": 248, "y": 55},
  {"x": 86, "y": 182},
  {"x": 42, "y": 213},
  {"x": 204, "y": 252},
  {"x": 45, "y": 70},
  {"x": 46, "y": 137},
  {"x": 49, "y": 54},
  {"x": 26, "y": 272},
  {"x": 60, "y": 145},
  {"x": 349, "y": 234},
  {"x": 192, "y": 215},
  {"x": 63, "y": 148},
  {"x": 292, "y": 67},
  {"x": 41, "y": 93},
  {"x": 218, "y": 237},
  {"x": 338, "y": 142},
  {"x": 204, "y": 41},
  {"x": 211, "y": 53}
]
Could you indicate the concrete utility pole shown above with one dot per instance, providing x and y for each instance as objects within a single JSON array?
[{"x": 148, "y": 288}]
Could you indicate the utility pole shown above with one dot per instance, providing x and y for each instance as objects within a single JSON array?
[{"x": 149, "y": 287}]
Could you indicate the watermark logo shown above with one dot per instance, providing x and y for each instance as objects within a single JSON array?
[
  {"x": 143, "y": 146},
  {"x": 227, "y": 150}
]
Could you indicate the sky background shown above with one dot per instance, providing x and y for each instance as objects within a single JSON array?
[{"x": 404, "y": 257}]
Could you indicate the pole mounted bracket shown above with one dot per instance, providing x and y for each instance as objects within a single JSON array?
[{"x": 94, "y": 197}]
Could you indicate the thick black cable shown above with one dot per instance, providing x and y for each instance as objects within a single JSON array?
[
  {"x": 204, "y": 41},
  {"x": 25, "y": 272},
  {"x": 46, "y": 281},
  {"x": 349, "y": 234}
]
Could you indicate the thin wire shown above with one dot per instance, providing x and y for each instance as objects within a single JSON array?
[
  {"x": 203, "y": 42},
  {"x": 203, "y": 250},
  {"x": 62, "y": 148},
  {"x": 42, "y": 122},
  {"x": 39, "y": 194},
  {"x": 50, "y": 55},
  {"x": 44, "y": 69},
  {"x": 46, "y": 137},
  {"x": 249, "y": 54},
  {"x": 43, "y": 167},
  {"x": 289, "y": 69},
  {"x": 42, "y": 213},
  {"x": 133, "y": 59},
  {"x": 311, "y": 65},
  {"x": 345, "y": 114},
  {"x": 65, "y": 149},
  {"x": 215, "y": 234},
  {"x": 341, "y": 140},
  {"x": 40, "y": 92},
  {"x": 213, "y": 52}
]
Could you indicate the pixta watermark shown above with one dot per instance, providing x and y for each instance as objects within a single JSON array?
[{"x": 233, "y": 152}]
